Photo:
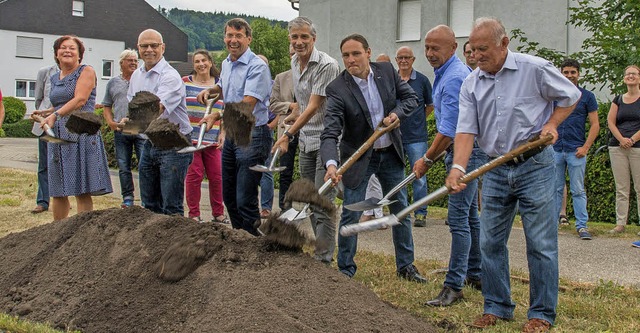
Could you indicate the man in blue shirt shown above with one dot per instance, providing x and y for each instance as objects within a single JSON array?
[
  {"x": 414, "y": 128},
  {"x": 244, "y": 78},
  {"x": 464, "y": 263},
  {"x": 571, "y": 148},
  {"x": 510, "y": 99}
]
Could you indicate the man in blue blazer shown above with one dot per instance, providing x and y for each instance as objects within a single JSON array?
[{"x": 361, "y": 97}]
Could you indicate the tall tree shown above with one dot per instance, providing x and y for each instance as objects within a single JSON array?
[{"x": 613, "y": 45}]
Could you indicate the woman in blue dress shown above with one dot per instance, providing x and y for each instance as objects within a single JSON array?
[{"x": 78, "y": 169}]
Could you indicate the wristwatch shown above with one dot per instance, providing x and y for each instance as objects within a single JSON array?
[
  {"x": 289, "y": 135},
  {"x": 427, "y": 161}
]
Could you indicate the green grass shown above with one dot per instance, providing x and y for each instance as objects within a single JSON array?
[{"x": 601, "y": 307}]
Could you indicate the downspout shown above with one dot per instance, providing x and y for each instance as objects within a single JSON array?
[{"x": 293, "y": 2}]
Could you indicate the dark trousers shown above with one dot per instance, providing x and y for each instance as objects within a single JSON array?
[
  {"x": 43, "y": 175},
  {"x": 286, "y": 176}
]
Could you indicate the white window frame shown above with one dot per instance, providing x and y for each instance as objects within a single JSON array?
[
  {"x": 77, "y": 8},
  {"x": 461, "y": 17},
  {"x": 30, "y": 94},
  {"x": 409, "y": 20},
  {"x": 29, "y": 47},
  {"x": 104, "y": 75}
]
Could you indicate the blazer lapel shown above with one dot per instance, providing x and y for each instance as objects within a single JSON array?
[{"x": 357, "y": 93}]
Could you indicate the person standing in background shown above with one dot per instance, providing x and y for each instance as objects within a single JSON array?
[
  {"x": 43, "y": 87},
  {"x": 468, "y": 56},
  {"x": 209, "y": 160},
  {"x": 266, "y": 182},
  {"x": 116, "y": 107}
]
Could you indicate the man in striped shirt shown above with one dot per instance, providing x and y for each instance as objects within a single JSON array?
[{"x": 312, "y": 70}]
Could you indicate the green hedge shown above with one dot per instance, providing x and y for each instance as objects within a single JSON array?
[
  {"x": 20, "y": 129},
  {"x": 14, "y": 109}
]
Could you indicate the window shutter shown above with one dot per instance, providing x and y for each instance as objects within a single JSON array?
[
  {"x": 29, "y": 47},
  {"x": 409, "y": 14}
]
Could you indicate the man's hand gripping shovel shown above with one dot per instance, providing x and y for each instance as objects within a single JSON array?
[{"x": 391, "y": 220}]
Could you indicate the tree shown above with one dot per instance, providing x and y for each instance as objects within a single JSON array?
[
  {"x": 272, "y": 41},
  {"x": 613, "y": 44}
]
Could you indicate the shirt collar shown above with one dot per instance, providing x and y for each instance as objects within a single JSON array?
[
  {"x": 509, "y": 63},
  {"x": 439, "y": 71},
  {"x": 244, "y": 58},
  {"x": 158, "y": 68},
  {"x": 360, "y": 81}
]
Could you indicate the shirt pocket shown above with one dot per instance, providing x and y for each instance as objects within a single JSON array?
[{"x": 524, "y": 112}]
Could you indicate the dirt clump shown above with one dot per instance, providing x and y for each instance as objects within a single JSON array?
[
  {"x": 143, "y": 109},
  {"x": 238, "y": 121},
  {"x": 97, "y": 272},
  {"x": 81, "y": 122},
  {"x": 166, "y": 135}
]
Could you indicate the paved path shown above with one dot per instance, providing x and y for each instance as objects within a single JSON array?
[{"x": 603, "y": 258}]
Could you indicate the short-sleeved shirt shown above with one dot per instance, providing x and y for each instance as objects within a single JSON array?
[
  {"x": 446, "y": 91},
  {"x": 414, "y": 128},
  {"x": 506, "y": 109},
  {"x": 313, "y": 80},
  {"x": 571, "y": 132},
  {"x": 627, "y": 120},
  {"x": 247, "y": 76},
  {"x": 116, "y": 97},
  {"x": 165, "y": 82}
]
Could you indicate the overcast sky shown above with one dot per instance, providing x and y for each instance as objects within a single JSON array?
[{"x": 272, "y": 9}]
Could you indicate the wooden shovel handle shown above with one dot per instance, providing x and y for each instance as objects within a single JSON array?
[{"x": 377, "y": 133}]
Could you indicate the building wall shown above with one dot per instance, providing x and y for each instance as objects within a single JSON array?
[
  {"x": 17, "y": 68},
  {"x": 542, "y": 21}
]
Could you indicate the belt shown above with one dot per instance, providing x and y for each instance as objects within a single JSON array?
[
  {"x": 519, "y": 159},
  {"x": 450, "y": 148},
  {"x": 383, "y": 150}
]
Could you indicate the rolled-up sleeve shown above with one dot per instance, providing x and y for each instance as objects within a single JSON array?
[{"x": 258, "y": 82}]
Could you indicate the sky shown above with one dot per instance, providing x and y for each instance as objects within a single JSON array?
[{"x": 272, "y": 9}]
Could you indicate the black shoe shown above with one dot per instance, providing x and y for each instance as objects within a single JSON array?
[
  {"x": 411, "y": 273},
  {"x": 446, "y": 297},
  {"x": 473, "y": 283}
]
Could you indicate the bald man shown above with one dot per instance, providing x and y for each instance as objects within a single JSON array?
[
  {"x": 414, "y": 128},
  {"x": 161, "y": 171},
  {"x": 464, "y": 264}
]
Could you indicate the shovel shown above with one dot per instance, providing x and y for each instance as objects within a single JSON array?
[
  {"x": 203, "y": 128},
  {"x": 272, "y": 166},
  {"x": 49, "y": 136},
  {"x": 391, "y": 220},
  {"x": 373, "y": 203},
  {"x": 293, "y": 215}
]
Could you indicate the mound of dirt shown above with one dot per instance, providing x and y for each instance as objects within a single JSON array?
[{"x": 96, "y": 272}]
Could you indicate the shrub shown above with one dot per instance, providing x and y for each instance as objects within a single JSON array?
[
  {"x": 21, "y": 129},
  {"x": 2, "y": 134},
  {"x": 14, "y": 108}
]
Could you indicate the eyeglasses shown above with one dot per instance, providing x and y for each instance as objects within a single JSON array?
[
  {"x": 631, "y": 74},
  {"x": 236, "y": 36},
  {"x": 404, "y": 58},
  {"x": 467, "y": 53},
  {"x": 152, "y": 45}
]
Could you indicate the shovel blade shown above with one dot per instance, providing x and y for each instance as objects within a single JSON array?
[
  {"x": 263, "y": 168},
  {"x": 377, "y": 224},
  {"x": 53, "y": 139},
  {"x": 292, "y": 215},
  {"x": 371, "y": 203}
]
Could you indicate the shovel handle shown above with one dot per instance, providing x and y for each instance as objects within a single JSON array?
[
  {"x": 377, "y": 133},
  {"x": 46, "y": 126},
  {"x": 274, "y": 157}
]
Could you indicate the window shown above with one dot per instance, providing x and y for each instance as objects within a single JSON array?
[
  {"x": 29, "y": 47},
  {"x": 25, "y": 89},
  {"x": 461, "y": 17},
  {"x": 107, "y": 68},
  {"x": 78, "y": 8},
  {"x": 409, "y": 13}
]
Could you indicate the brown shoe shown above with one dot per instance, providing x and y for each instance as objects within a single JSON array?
[
  {"x": 265, "y": 213},
  {"x": 39, "y": 209},
  {"x": 536, "y": 325},
  {"x": 485, "y": 321}
]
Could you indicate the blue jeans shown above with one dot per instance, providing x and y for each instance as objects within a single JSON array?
[
  {"x": 576, "y": 168},
  {"x": 125, "y": 145},
  {"x": 324, "y": 225},
  {"x": 464, "y": 226},
  {"x": 390, "y": 171},
  {"x": 162, "y": 173},
  {"x": 239, "y": 183},
  {"x": 415, "y": 151},
  {"x": 286, "y": 176},
  {"x": 42, "y": 198},
  {"x": 266, "y": 188},
  {"x": 524, "y": 187}
]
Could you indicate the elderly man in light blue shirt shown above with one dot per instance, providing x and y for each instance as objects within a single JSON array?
[
  {"x": 508, "y": 101},
  {"x": 161, "y": 171},
  {"x": 244, "y": 78}
]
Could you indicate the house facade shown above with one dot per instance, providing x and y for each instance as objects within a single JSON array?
[
  {"x": 389, "y": 24},
  {"x": 28, "y": 29}
]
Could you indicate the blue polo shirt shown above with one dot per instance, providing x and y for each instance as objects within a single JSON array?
[
  {"x": 571, "y": 132},
  {"x": 446, "y": 92},
  {"x": 414, "y": 127}
]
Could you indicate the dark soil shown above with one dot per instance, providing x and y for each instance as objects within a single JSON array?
[
  {"x": 166, "y": 135},
  {"x": 238, "y": 121},
  {"x": 96, "y": 272},
  {"x": 143, "y": 109},
  {"x": 84, "y": 123}
]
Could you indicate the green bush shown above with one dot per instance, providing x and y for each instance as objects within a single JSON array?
[
  {"x": 2, "y": 134},
  {"x": 109, "y": 145},
  {"x": 20, "y": 129},
  {"x": 14, "y": 109}
]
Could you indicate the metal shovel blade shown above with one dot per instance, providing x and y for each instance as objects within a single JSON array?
[
  {"x": 263, "y": 168},
  {"x": 53, "y": 139},
  {"x": 356, "y": 228},
  {"x": 368, "y": 204},
  {"x": 292, "y": 215}
]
